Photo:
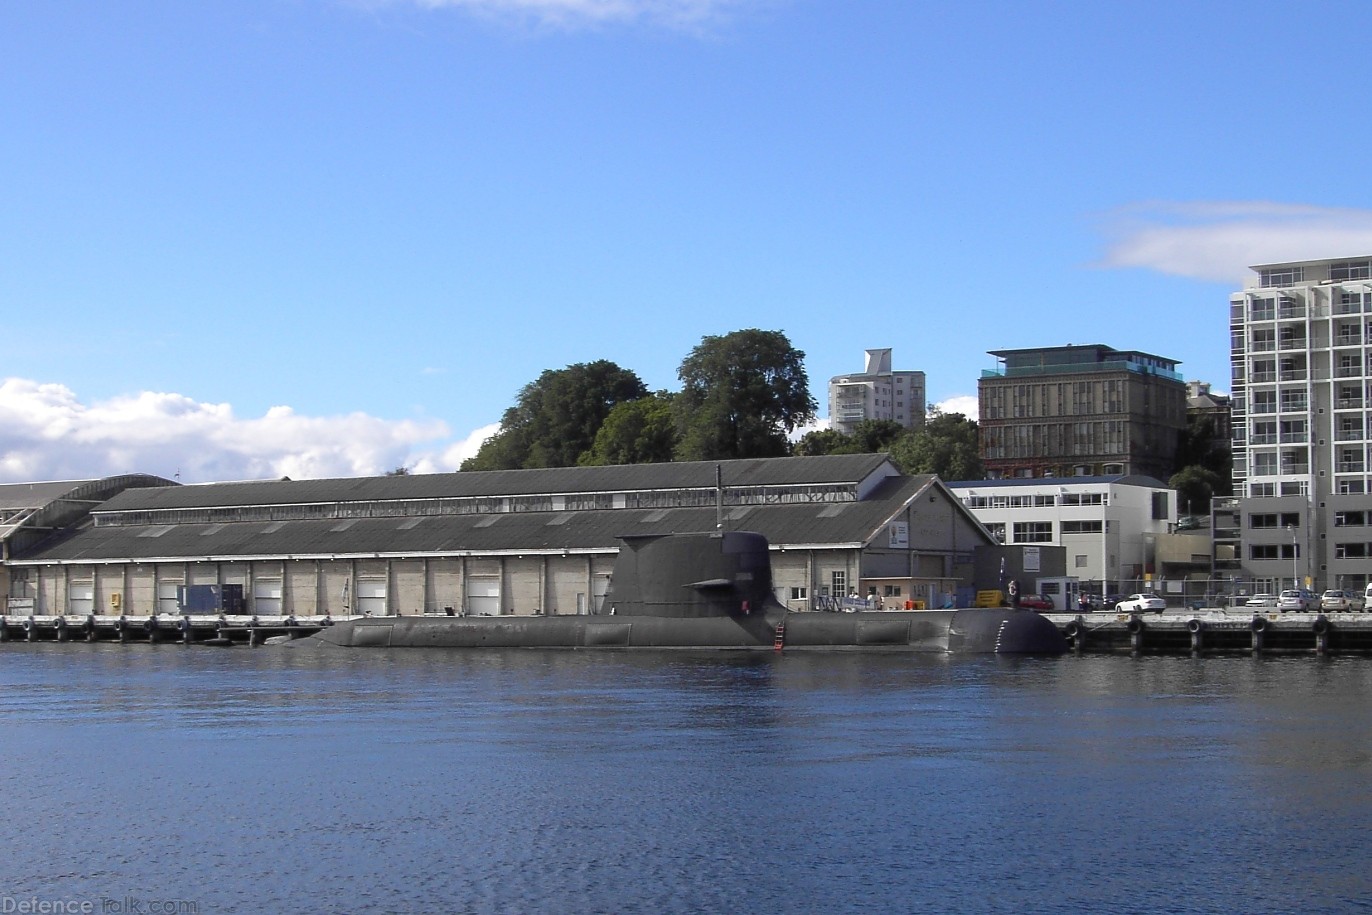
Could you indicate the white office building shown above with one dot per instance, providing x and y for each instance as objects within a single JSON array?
[
  {"x": 1301, "y": 354},
  {"x": 876, "y": 393},
  {"x": 1109, "y": 526}
]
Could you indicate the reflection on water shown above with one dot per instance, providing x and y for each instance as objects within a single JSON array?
[{"x": 276, "y": 780}]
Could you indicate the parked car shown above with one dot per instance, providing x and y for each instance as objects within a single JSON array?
[
  {"x": 1143, "y": 602},
  {"x": 1035, "y": 602},
  {"x": 1341, "y": 600},
  {"x": 1089, "y": 603},
  {"x": 1261, "y": 600},
  {"x": 1297, "y": 599}
]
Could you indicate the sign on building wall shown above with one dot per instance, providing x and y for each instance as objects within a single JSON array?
[
  {"x": 899, "y": 532},
  {"x": 1031, "y": 559}
]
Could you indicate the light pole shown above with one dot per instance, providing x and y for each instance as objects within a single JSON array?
[{"x": 1295, "y": 562}]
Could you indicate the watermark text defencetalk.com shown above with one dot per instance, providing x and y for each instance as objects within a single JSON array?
[{"x": 105, "y": 905}]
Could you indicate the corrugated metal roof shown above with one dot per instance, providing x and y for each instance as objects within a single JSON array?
[
  {"x": 822, "y": 470},
  {"x": 814, "y": 523},
  {"x": 35, "y": 495}
]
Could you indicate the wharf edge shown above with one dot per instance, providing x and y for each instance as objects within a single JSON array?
[{"x": 1217, "y": 631}]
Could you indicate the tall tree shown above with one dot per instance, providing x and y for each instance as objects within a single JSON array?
[
  {"x": 741, "y": 395},
  {"x": 557, "y": 416},
  {"x": 946, "y": 445},
  {"x": 639, "y": 431}
]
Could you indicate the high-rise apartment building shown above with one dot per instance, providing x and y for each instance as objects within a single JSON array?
[
  {"x": 1080, "y": 411},
  {"x": 1301, "y": 354},
  {"x": 877, "y": 393}
]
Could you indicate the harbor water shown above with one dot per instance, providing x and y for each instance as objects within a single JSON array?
[{"x": 187, "y": 779}]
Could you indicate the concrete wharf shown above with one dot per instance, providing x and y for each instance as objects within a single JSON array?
[
  {"x": 221, "y": 630},
  {"x": 1217, "y": 631},
  {"x": 1199, "y": 632}
]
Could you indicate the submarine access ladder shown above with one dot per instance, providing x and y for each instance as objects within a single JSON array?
[{"x": 779, "y": 638}]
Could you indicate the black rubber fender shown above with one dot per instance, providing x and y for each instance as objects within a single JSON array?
[
  {"x": 1073, "y": 629},
  {"x": 1259, "y": 624},
  {"x": 1195, "y": 626},
  {"x": 1136, "y": 625},
  {"x": 1321, "y": 624},
  {"x": 150, "y": 624}
]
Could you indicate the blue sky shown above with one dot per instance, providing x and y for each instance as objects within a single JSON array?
[{"x": 329, "y": 237}]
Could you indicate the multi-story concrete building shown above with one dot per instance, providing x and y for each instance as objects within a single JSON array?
[
  {"x": 1301, "y": 353},
  {"x": 1071, "y": 411},
  {"x": 1109, "y": 526},
  {"x": 877, "y": 393}
]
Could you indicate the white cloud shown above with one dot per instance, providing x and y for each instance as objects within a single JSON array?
[
  {"x": 47, "y": 433},
  {"x": 452, "y": 456},
  {"x": 685, "y": 14},
  {"x": 818, "y": 424},
  {"x": 966, "y": 404},
  {"x": 1218, "y": 240}
]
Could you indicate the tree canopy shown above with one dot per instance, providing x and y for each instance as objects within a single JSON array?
[
  {"x": 945, "y": 445},
  {"x": 1202, "y": 447},
  {"x": 557, "y": 416},
  {"x": 1195, "y": 486},
  {"x": 868, "y": 437},
  {"x": 639, "y": 431},
  {"x": 741, "y": 395}
]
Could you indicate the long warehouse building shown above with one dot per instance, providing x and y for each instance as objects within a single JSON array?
[{"x": 500, "y": 542}]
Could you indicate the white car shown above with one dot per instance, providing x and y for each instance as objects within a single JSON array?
[
  {"x": 1262, "y": 600},
  {"x": 1145, "y": 602}
]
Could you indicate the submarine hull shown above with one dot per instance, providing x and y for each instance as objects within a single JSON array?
[
  {"x": 708, "y": 590},
  {"x": 979, "y": 631}
]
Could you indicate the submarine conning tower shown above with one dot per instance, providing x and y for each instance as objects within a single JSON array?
[{"x": 725, "y": 573}]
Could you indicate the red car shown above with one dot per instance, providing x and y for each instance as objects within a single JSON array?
[{"x": 1035, "y": 602}]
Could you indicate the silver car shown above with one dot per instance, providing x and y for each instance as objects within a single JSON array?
[
  {"x": 1341, "y": 600},
  {"x": 1297, "y": 599}
]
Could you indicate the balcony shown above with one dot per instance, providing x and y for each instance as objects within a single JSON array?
[
  {"x": 1348, "y": 435},
  {"x": 1348, "y": 403},
  {"x": 1264, "y": 346},
  {"x": 1295, "y": 438},
  {"x": 1264, "y": 438},
  {"x": 1348, "y": 467},
  {"x": 1348, "y": 340},
  {"x": 1294, "y": 375},
  {"x": 1347, "y": 371},
  {"x": 1261, "y": 377},
  {"x": 1293, "y": 343},
  {"x": 1295, "y": 469}
]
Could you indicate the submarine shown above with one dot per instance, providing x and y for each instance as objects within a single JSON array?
[{"x": 710, "y": 590}]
